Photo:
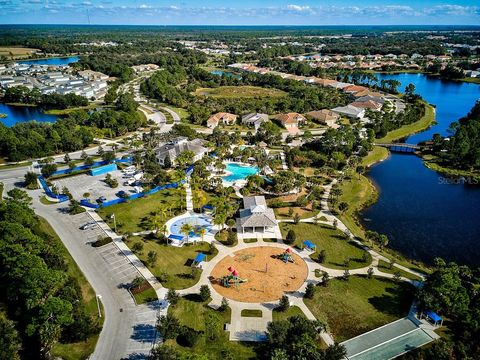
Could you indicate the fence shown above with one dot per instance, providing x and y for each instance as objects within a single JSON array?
[{"x": 49, "y": 192}]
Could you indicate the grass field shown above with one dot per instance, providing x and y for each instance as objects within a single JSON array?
[
  {"x": 61, "y": 112},
  {"x": 146, "y": 296},
  {"x": 193, "y": 313},
  {"x": 332, "y": 241},
  {"x": 358, "y": 305},
  {"x": 174, "y": 262},
  {"x": 238, "y": 92},
  {"x": 133, "y": 215},
  {"x": 377, "y": 154},
  {"x": 284, "y": 315},
  {"x": 16, "y": 52},
  {"x": 383, "y": 266},
  {"x": 80, "y": 350},
  {"x": 424, "y": 123},
  {"x": 251, "y": 313},
  {"x": 358, "y": 192}
]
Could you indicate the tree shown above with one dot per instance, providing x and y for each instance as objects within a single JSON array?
[
  {"x": 137, "y": 247},
  {"x": 30, "y": 180},
  {"x": 309, "y": 291},
  {"x": 224, "y": 304},
  {"x": 370, "y": 272},
  {"x": 296, "y": 218},
  {"x": 346, "y": 275},
  {"x": 343, "y": 206},
  {"x": 291, "y": 237},
  {"x": 165, "y": 352},
  {"x": 204, "y": 292},
  {"x": 19, "y": 196},
  {"x": 325, "y": 278},
  {"x": 284, "y": 303},
  {"x": 383, "y": 240},
  {"x": 186, "y": 229},
  {"x": 9, "y": 340},
  {"x": 67, "y": 158},
  {"x": 169, "y": 326},
  {"x": 322, "y": 256},
  {"x": 152, "y": 257},
  {"x": 48, "y": 170},
  {"x": 75, "y": 207},
  {"x": 108, "y": 156},
  {"x": 172, "y": 297}
]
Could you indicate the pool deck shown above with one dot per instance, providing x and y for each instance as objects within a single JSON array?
[{"x": 208, "y": 237}]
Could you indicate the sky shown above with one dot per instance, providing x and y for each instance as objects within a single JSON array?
[{"x": 241, "y": 12}]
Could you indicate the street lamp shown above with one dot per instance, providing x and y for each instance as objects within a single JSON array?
[
  {"x": 114, "y": 222},
  {"x": 99, "y": 297}
]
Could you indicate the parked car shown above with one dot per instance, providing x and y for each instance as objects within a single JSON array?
[
  {"x": 88, "y": 226},
  {"x": 101, "y": 199}
]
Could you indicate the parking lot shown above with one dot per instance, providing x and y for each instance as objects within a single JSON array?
[
  {"x": 94, "y": 185},
  {"x": 121, "y": 272}
]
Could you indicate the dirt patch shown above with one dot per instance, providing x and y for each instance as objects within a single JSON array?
[{"x": 268, "y": 277}]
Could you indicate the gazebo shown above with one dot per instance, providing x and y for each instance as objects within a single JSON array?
[{"x": 432, "y": 317}]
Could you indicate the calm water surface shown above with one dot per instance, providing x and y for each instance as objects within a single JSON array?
[
  {"x": 424, "y": 214},
  {"x": 23, "y": 113},
  {"x": 52, "y": 61}
]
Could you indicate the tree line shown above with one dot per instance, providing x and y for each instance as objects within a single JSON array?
[
  {"x": 43, "y": 302},
  {"x": 24, "y": 95}
]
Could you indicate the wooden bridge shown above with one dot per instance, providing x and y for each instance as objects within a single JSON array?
[{"x": 400, "y": 147}]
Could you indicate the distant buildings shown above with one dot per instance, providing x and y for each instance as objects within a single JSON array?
[
  {"x": 325, "y": 116},
  {"x": 350, "y": 111},
  {"x": 223, "y": 117},
  {"x": 59, "y": 79},
  {"x": 144, "y": 68}
]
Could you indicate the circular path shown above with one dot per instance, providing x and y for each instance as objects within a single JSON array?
[{"x": 267, "y": 277}]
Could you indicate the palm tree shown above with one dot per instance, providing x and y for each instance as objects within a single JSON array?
[
  {"x": 202, "y": 231},
  {"x": 219, "y": 218},
  {"x": 186, "y": 229},
  {"x": 155, "y": 221}
]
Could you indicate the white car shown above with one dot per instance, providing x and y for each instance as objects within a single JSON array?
[{"x": 88, "y": 226}]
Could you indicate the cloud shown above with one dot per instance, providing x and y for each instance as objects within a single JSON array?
[
  {"x": 298, "y": 8},
  {"x": 442, "y": 10}
]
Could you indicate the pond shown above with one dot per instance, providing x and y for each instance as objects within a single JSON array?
[
  {"x": 17, "y": 114},
  {"x": 424, "y": 214},
  {"x": 51, "y": 61}
]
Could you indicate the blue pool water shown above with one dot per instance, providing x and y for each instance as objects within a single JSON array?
[
  {"x": 52, "y": 61},
  {"x": 195, "y": 221},
  {"x": 239, "y": 172}
]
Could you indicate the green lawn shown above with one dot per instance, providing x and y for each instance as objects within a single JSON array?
[
  {"x": 238, "y": 92},
  {"x": 133, "y": 215},
  {"x": 424, "y": 123},
  {"x": 326, "y": 238},
  {"x": 377, "y": 154},
  {"x": 1, "y": 191},
  {"x": 284, "y": 315},
  {"x": 251, "y": 313},
  {"x": 192, "y": 313},
  {"x": 383, "y": 266},
  {"x": 358, "y": 305},
  {"x": 146, "y": 296},
  {"x": 173, "y": 261},
  {"x": 79, "y": 350},
  {"x": 358, "y": 192}
]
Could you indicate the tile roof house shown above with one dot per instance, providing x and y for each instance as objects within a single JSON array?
[
  {"x": 353, "y": 89},
  {"x": 325, "y": 116},
  {"x": 291, "y": 121},
  {"x": 350, "y": 111},
  {"x": 255, "y": 215},
  {"x": 226, "y": 118},
  {"x": 254, "y": 119},
  {"x": 174, "y": 148},
  {"x": 369, "y": 104}
]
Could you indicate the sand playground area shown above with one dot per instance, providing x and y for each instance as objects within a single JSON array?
[{"x": 266, "y": 277}]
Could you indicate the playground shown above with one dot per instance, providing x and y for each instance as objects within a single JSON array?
[{"x": 258, "y": 274}]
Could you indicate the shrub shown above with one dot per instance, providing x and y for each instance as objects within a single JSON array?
[
  {"x": 187, "y": 337},
  {"x": 291, "y": 237},
  {"x": 310, "y": 291},
  {"x": 172, "y": 297},
  {"x": 102, "y": 241},
  {"x": 224, "y": 304},
  {"x": 231, "y": 238},
  {"x": 322, "y": 256},
  {"x": 204, "y": 292},
  {"x": 284, "y": 303}
]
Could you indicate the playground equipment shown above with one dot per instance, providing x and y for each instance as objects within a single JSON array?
[
  {"x": 232, "y": 278},
  {"x": 287, "y": 256}
]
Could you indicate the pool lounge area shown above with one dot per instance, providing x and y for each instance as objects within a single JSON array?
[
  {"x": 196, "y": 221},
  {"x": 238, "y": 172}
]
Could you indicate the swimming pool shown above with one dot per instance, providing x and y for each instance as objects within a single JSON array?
[
  {"x": 239, "y": 172},
  {"x": 196, "y": 221}
]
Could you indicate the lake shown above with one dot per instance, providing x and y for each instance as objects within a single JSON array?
[
  {"x": 424, "y": 214},
  {"x": 17, "y": 114},
  {"x": 51, "y": 61}
]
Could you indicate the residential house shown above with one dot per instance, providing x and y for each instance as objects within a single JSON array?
[
  {"x": 254, "y": 119},
  {"x": 291, "y": 121},
  {"x": 325, "y": 116},
  {"x": 353, "y": 89},
  {"x": 226, "y": 118},
  {"x": 173, "y": 149},
  {"x": 256, "y": 216},
  {"x": 350, "y": 111},
  {"x": 369, "y": 104}
]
